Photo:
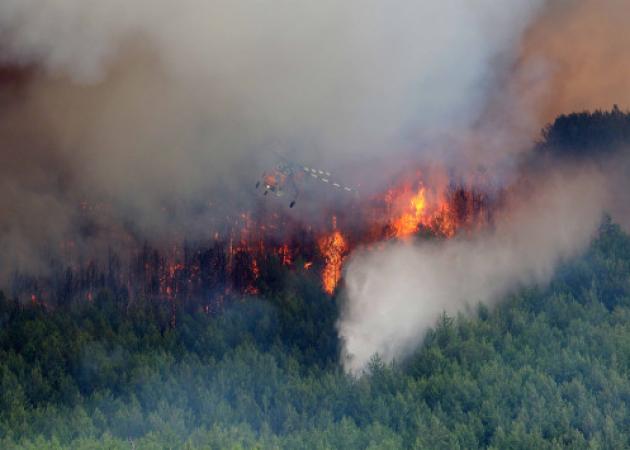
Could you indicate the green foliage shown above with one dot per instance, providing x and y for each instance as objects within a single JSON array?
[{"x": 546, "y": 369}]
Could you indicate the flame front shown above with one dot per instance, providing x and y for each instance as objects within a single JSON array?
[
  {"x": 410, "y": 210},
  {"x": 408, "y": 223},
  {"x": 243, "y": 247},
  {"x": 400, "y": 213}
]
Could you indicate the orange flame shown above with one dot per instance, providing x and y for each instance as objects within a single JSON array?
[
  {"x": 409, "y": 222},
  {"x": 333, "y": 247},
  {"x": 411, "y": 210}
]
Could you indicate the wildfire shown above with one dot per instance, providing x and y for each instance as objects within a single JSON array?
[
  {"x": 408, "y": 223},
  {"x": 411, "y": 210},
  {"x": 443, "y": 221},
  {"x": 238, "y": 253},
  {"x": 333, "y": 247}
]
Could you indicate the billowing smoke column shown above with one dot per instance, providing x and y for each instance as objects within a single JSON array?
[{"x": 395, "y": 294}]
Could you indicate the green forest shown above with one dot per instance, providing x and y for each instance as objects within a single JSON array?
[{"x": 547, "y": 368}]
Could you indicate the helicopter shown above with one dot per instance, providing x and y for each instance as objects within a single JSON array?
[{"x": 287, "y": 175}]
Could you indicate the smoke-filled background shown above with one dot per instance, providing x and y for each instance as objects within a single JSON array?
[
  {"x": 152, "y": 107},
  {"x": 165, "y": 113}
]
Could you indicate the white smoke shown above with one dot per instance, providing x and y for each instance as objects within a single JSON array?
[{"x": 393, "y": 295}]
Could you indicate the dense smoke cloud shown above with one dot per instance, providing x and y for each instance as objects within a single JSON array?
[
  {"x": 575, "y": 57},
  {"x": 158, "y": 108},
  {"x": 345, "y": 79},
  {"x": 395, "y": 294}
]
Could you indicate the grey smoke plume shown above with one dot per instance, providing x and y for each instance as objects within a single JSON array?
[
  {"x": 393, "y": 295},
  {"x": 146, "y": 104},
  {"x": 350, "y": 78}
]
